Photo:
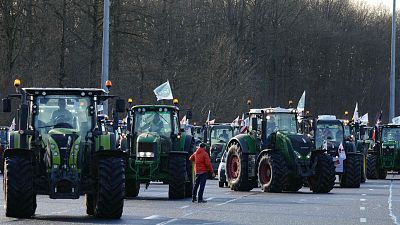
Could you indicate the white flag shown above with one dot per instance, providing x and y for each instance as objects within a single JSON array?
[
  {"x": 208, "y": 117},
  {"x": 355, "y": 115},
  {"x": 364, "y": 119},
  {"x": 235, "y": 122},
  {"x": 302, "y": 102},
  {"x": 163, "y": 91},
  {"x": 396, "y": 120},
  {"x": 12, "y": 126},
  {"x": 183, "y": 121}
]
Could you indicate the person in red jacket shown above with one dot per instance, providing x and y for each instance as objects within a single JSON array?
[{"x": 202, "y": 167}]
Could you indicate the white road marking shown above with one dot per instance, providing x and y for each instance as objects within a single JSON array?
[
  {"x": 362, "y": 199},
  {"x": 363, "y": 194},
  {"x": 363, "y": 220},
  {"x": 362, "y": 208},
  {"x": 208, "y": 199},
  {"x": 167, "y": 222},
  {"x": 394, "y": 218},
  {"x": 227, "y": 193},
  {"x": 184, "y": 207},
  {"x": 224, "y": 203},
  {"x": 152, "y": 217},
  {"x": 371, "y": 189}
]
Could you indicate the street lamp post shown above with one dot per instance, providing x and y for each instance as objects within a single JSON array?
[
  {"x": 393, "y": 65},
  {"x": 105, "y": 51}
]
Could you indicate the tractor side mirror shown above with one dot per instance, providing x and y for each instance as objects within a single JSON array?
[
  {"x": 189, "y": 114},
  {"x": 6, "y": 105},
  {"x": 120, "y": 105},
  {"x": 254, "y": 124}
]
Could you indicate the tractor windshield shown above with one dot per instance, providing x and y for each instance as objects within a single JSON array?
[
  {"x": 283, "y": 122},
  {"x": 390, "y": 134},
  {"x": 221, "y": 135},
  {"x": 153, "y": 121},
  {"x": 329, "y": 132},
  {"x": 365, "y": 133},
  {"x": 62, "y": 111}
]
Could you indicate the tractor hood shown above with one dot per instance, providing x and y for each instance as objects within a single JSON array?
[
  {"x": 147, "y": 145},
  {"x": 301, "y": 144}
]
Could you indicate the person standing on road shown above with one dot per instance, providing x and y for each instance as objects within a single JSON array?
[{"x": 202, "y": 168}]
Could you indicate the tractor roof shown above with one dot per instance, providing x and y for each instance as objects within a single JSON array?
[
  {"x": 272, "y": 110},
  {"x": 390, "y": 125},
  {"x": 64, "y": 91},
  {"x": 327, "y": 117},
  {"x": 155, "y": 107}
]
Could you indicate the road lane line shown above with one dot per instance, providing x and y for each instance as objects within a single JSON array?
[
  {"x": 363, "y": 199},
  {"x": 184, "y": 207},
  {"x": 362, "y": 208},
  {"x": 394, "y": 218},
  {"x": 210, "y": 198},
  {"x": 152, "y": 217},
  {"x": 371, "y": 189},
  {"x": 167, "y": 222},
  {"x": 363, "y": 194},
  {"x": 363, "y": 220},
  {"x": 224, "y": 203}
]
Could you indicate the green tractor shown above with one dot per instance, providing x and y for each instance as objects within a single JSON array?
[
  {"x": 158, "y": 150},
  {"x": 274, "y": 155},
  {"x": 60, "y": 149},
  {"x": 216, "y": 136},
  {"x": 329, "y": 136},
  {"x": 386, "y": 153},
  {"x": 4, "y": 130}
]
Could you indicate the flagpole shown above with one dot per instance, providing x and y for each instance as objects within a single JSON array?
[{"x": 393, "y": 65}]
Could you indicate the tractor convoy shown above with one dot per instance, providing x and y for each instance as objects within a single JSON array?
[{"x": 63, "y": 145}]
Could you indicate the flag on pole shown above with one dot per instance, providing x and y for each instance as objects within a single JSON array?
[
  {"x": 355, "y": 114},
  {"x": 209, "y": 121},
  {"x": 12, "y": 126},
  {"x": 364, "y": 119},
  {"x": 183, "y": 121},
  {"x": 235, "y": 122},
  {"x": 302, "y": 102},
  {"x": 163, "y": 91},
  {"x": 244, "y": 125},
  {"x": 376, "y": 128}
]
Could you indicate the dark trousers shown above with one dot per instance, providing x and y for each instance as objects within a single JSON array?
[{"x": 200, "y": 181}]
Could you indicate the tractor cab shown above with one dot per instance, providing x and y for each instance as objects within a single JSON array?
[
  {"x": 217, "y": 135},
  {"x": 4, "y": 130},
  {"x": 390, "y": 146},
  {"x": 329, "y": 134}
]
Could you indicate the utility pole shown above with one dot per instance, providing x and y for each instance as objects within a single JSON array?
[
  {"x": 105, "y": 52},
  {"x": 393, "y": 65}
]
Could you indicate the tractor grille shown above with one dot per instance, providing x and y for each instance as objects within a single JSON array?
[
  {"x": 301, "y": 144},
  {"x": 147, "y": 147},
  {"x": 62, "y": 141},
  {"x": 388, "y": 151}
]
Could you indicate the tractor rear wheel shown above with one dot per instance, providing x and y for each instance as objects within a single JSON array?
[
  {"x": 177, "y": 176},
  {"x": 324, "y": 178},
  {"x": 351, "y": 177},
  {"x": 372, "y": 167},
  {"x": 19, "y": 192},
  {"x": 294, "y": 184},
  {"x": 132, "y": 188},
  {"x": 363, "y": 169},
  {"x": 90, "y": 204},
  {"x": 237, "y": 169},
  {"x": 221, "y": 184},
  {"x": 272, "y": 172},
  {"x": 110, "y": 188},
  {"x": 382, "y": 174}
]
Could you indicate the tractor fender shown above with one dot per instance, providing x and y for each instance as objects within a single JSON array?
[
  {"x": 25, "y": 153},
  {"x": 246, "y": 143},
  {"x": 188, "y": 144}
]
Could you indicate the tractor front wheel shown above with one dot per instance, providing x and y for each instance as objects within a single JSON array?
[
  {"x": 351, "y": 177},
  {"x": 18, "y": 184},
  {"x": 324, "y": 178},
  {"x": 372, "y": 167},
  {"x": 237, "y": 169},
  {"x": 132, "y": 188},
  {"x": 110, "y": 188},
  {"x": 177, "y": 176},
  {"x": 272, "y": 172}
]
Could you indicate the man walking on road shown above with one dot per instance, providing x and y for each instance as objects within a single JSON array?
[{"x": 202, "y": 167}]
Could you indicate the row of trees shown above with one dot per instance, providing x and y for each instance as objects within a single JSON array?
[{"x": 216, "y": 53}]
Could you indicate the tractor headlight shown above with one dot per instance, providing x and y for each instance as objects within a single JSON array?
[
  {"x": 309, "y": 155},
  {"x": 146, "y": 154}
]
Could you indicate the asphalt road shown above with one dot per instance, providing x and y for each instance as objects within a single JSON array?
[{"x": 376, "y": 202}]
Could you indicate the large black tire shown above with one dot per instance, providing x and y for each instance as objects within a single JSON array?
[
  {"x": 324, "y": 178},
  {"x": 382, "y": 174},
  {"x": 294, "y": 184},
  {"x": 90, "y": 201},
  {"x": 110, "y": 188},
  {"x": 221, "y": 184},
  {"x": 272, "y": 172},
  {"x": 237, "y": 169},
  {"x": 18, "y": 185},
  {"x": 132, "y": 188},
  {"x": 363, "y": 169},
  {"x": 189, "y": 148},
  {"x": 177, "y": 176},
  {"x": 351, "y": 177},
  {"x": 372, "y": 167}
]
